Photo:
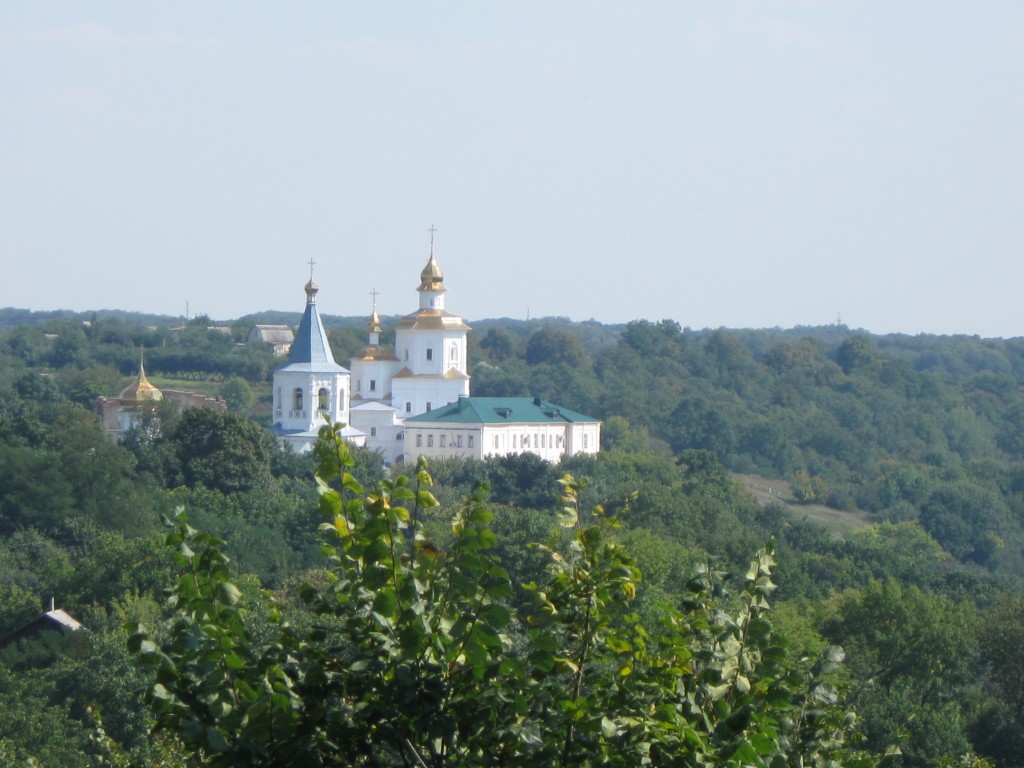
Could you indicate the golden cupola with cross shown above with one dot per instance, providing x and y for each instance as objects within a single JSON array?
[{"x": 141, "y": 390}]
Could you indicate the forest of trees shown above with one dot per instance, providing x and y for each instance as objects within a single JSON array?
[{"x": 921, "y": 438}]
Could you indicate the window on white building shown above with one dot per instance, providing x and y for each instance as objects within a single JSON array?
[
  {"x": 495, "y": 441},
  {"x": 470, "y": 441},
  {"x": 454, "y": 353},
  {"x": 277, "y": 403},
  {"x": 373, "y": 431},
  {"x": 419, "y": 440},
  {"x": 444, "y": 441},
  {"x": 321, "y": 399},
  {"x": 458, "y": 441},
  {"x": 297, "y": 399},
  {"x": 408, "y": 407},
  {"x": 430, "y": 354},
  {"x": 428, "y": 407},
  {"x": 585, "y": 440},
  {"x": 373, "y": 385},
  {"x": 430, "y": 441}
]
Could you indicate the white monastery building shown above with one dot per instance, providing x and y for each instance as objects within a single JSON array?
[
  {"x": 478, "y": 427},
  {"x": 414, "y": 400}
]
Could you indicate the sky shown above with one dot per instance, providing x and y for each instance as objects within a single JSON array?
[{"x": 721, "y": 164}]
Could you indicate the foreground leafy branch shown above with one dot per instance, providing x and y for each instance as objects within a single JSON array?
[{"x": 418, "y": 655}]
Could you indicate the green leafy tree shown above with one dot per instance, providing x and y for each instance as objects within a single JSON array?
[
  {"x": 418, "y": 655},
  {"x": 221, "y": 450},
  {"x": 500, "y": 345},
  {"x": 237, "y": 394},
  {"x": 556, "y": 346},
  {"x": 912, "y": 653}
]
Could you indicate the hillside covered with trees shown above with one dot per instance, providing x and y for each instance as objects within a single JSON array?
[{"x": 921, "y": 437}]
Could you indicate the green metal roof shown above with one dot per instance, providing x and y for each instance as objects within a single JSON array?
[{"x": 500, "y": 410}]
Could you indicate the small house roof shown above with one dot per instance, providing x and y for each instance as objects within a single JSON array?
[{"x": 272, "y": 334}]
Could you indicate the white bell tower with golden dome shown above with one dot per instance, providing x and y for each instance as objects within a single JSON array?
[
  {"x": 426, "y": 369},
  {"x": 430, "y": 345}
]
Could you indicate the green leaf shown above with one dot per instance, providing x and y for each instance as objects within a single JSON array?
[
  {"x": 762, "y": 743},
  {"x": 495, "y": 615},
  {"x": 385, "y": 602},
  {"x": 608, "y": 727},
  {"x": 215, "y": 740},
  {"x": 228, "y": 593},
  {"x": 234, "y": 661},
  {"x": 745, "y": 754}
]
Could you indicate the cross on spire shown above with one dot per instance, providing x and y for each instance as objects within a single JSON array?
[
  {"x": 374, "y": 293},
  {"x": 432, "y": 230},
  {"x": 311, "y": 265}
]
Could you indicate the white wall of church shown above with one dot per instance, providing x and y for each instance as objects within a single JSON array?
[
  {"x": 371, "y": 379},
  {"x": 442, "y": 441},
  {"x": 383, "y": 431},
  {"x": 302, "y": 400},
  {"x": 431, "y": 353},
  {"x": 548, "y": 441},
  {"x": 415, "y": 395}
]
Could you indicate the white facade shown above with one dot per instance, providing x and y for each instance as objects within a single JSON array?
[
  {"x": 414, "y": 400},
  {"x": 479, "y": 427},
  {"x": 427, "y": 369},
  {"x": 304, "y": 399},
  {"x": 382, "y": 428},
  {"x": 312, "y": 390}
]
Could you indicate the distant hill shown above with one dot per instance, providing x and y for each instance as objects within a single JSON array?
[{"x": 11, "y": 317}]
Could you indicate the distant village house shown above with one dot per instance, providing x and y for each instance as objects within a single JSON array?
[{"x": 277, "y": 338}]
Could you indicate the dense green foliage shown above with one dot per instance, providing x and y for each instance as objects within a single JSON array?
[
  {"x": 919, "y": 436},
  {"x": 418, "y": 656}
]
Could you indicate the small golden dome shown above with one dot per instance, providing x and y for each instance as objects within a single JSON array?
[
  {"x": 431, "y": 278},
  {"x": 374, "y": 324},
  {"x": 140, "y": 390}
]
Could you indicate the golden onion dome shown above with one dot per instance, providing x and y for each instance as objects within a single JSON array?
[
  {"x": 431, "y": 278},
  {"x": 141, "y": 389},
  {"x": 374, "y": 324}
]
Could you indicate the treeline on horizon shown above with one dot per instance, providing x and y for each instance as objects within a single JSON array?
[{"x": 923, "y": 436}]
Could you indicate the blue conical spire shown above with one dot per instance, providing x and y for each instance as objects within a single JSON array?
[{"x": 311, "y": 349}]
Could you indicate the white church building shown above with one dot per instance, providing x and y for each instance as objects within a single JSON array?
[
  {"x": 386, "y": 389},
  {"x": 312, "y": 389}
]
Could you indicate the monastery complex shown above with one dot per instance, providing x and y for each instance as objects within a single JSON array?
[{"x": 414, "y": 399}]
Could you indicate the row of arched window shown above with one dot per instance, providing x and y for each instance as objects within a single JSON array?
[{"x": 323, "y": 399}]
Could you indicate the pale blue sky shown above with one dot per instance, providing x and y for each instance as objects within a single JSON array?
[{"x": 739, "y": 164}]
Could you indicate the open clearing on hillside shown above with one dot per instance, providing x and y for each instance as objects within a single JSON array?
[
  {"x": 838, "y": 522},
  {"x": 195, "y": 386}
]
